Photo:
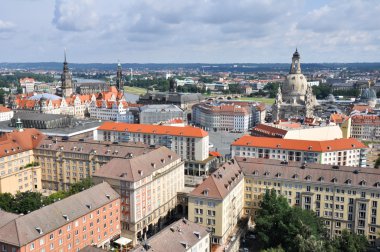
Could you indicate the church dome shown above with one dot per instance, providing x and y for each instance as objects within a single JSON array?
[{"x": 368, "y": 94}]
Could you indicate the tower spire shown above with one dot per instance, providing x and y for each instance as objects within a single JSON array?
[{"x": 65, "y": 55}]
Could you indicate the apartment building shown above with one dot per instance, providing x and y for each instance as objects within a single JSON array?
[
  {"x": 365, "y": 127},
  {"x": 5, "y": 114},
  {"x": 217, "y": 203},
  {"x": 345, "y": 151},
  {"x": 64, "y": 162},
  {"x": 91, "y": 217},
  {"x": 181, "y": 236},
  {"x": 148, "y": 186},
  {"x": 344, "y": 197},
  {"x": 228, "y": 116},
  {"x": 18, "y": 169},
  {"x": 191, "y": 143}
]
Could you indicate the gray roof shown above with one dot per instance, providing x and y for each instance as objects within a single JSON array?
[
  {"x": 36, "y": 116},
  {"x": 46, "y": 96},
  {"x": 136, "y": 168},
  {"x": 160, "y": 108},
  {"x": 22, "y": 230},
  {"x": 319, "y": 173},
  {"x": 91, "y": 249},
  {"x": 179, "y": 236},
  {"x": 173, "y": 97},
  {"x": 6, "y": 217}
]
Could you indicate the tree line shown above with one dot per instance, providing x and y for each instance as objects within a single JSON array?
[{"x": 25, "y": 202}]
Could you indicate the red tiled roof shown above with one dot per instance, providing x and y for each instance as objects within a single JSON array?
[
  {"x": 215, "y": 154},
  {"x": 186, "y": 131},
  {"x": 267, "y": 130},
  {"x": 338, "y": 118},
  {"x": 302, "y": 145},
  {"x": 4, "y": 109},
  {"x": 19, "y": 141}
]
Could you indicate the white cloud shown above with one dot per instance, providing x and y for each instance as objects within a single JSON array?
[
  {"x": 75, "y": 15},
  {"x": 6, "y": 26}
]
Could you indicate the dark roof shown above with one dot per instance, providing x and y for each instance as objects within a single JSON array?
[
  {"x": 22, "y": 230},
  {"x": 317, "y": 173},
  {"x": 179, "y": 236},
  {"x": 136, "y": 168},
  {"x": 6, "y": 217},
  {"x": 220, "y": 182},
  {"x": 91, "y": 249}
]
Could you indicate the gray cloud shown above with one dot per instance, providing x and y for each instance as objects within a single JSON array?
[
  {"x": 6, "y": 26},
  {"x": 75, "y": 15}
]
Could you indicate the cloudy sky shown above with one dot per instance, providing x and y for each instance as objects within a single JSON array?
[{"x": 171, "y": 31}]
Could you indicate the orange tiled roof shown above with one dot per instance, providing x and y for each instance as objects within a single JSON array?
[
  {"x": 215, "y": 154},
  {"x": 4, "y": 109},
  {"x": 361, "y": 108},
  {"x": 301, "y": 145},
  {"x": 15, "y": 142},
  {"x": 338, "y": 118},
  {"x": 186, "y": 131}
]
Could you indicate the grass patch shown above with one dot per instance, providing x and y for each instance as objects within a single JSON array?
[
  {"x": 134, "y": 90},
  {"x": 267, "y": 101}
]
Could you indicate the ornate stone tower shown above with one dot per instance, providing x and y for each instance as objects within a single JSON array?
[
  {"x": 277, "y": 105},
  {"x": 309, "y": 102},
  {"x": 119, "y": 78},
  {"x": 66, "y": 79}
]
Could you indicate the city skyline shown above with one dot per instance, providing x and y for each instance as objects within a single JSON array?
[{"x": 189, "y": 32}]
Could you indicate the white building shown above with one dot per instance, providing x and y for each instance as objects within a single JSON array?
[
  {"x": 229, "y": 116},
  {"x": 345, "y": 151},
  {"x": 191, "y": 143},
  {"x": 110, "y": 111},
  {"x": 365, "y": 127},
  {"x": 27, "y": 85},
  {"x": 6, "y": 114},
  {"x": 156, "y": 113}
]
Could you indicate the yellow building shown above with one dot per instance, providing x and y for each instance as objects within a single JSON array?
[
  {"x": 18, "y": 169},
  {"x": 65, "y": 162},
  {"x": 217, "y": 202},
  {"x": 344, "y": 197}
]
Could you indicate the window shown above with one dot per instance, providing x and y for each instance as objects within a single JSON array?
[
  {"x": 51, "y": 246},
  {"x": 51, "y": 236},
  {"x": 42, "y": 241},
  {"x": 31, "y": 246}
]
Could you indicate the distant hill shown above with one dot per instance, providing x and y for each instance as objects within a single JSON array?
[{"x": 231, "y": 67}]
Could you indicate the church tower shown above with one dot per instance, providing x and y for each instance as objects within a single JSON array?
[
  {"x": 67, "y": 86},
  {"x": 295, "y": 68},
  {"x": 119, "y": 78}
]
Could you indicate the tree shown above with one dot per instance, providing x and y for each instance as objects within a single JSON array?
[
  {"x": 321, "y": 91},
  {"x": 25, "y": 202},
  {"x": 6, "y": 200},
  {"x": 348, "y": 242},
  {"x": 80, "y": 186},
  {"x": 272, "y": 89},
  {"x": 292, "y": 228}
]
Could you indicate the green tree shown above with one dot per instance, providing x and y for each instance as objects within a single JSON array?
[
  {"x": 25, "y": 202},
  {"x": 348, "y": 242},
  {"x": 55, "y": 197},
  {"x": 80, "y": 186},
  {"x": 6, "y": 200},
  {"x": 272, "y": 88},
  {"x": 321, "y": 91}
]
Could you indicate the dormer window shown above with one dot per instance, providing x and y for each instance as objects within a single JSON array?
[
  {"x": 334, "y": 180},
  {"x": 308, "y": 178},
  {"x": 256, "y": 173},
  {"x": 278, "y": 175},
  {"x": 295, "y": 176},
  {"x": 205, "y": 192},
  {"x": 321, "y": 179},
  {"x": 266, "y": 173},
  {"x": 348, "y": 181},
  {"x": 363, "y": 183}
]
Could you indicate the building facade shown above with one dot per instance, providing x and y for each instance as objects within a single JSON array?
[
  {"x": 365, "y": 127},
  {"x": 18, "y": 169},
  {"x": 64, "y": 162},
  {"x": 152, "y": 114},
  {"x": 148, "y": 185},
  {"x": 191, "y": 143},
  {"x": 110, "y": 111},
  {"x": 345, "y": 151},
  {"x": 217, "y": 203},
  {"x": 5, "y": 114},
  {"x": 344, "y": 197},
  {"x": 228, "y": 116},
  {"x": 91, "y": 217}
]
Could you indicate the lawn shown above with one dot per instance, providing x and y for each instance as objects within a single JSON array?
[
  {"x": 267, "y": 101},
  {"x": 134, "y": 90}
]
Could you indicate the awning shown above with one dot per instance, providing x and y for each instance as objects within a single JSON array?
[{"x": 123, "y": 241}]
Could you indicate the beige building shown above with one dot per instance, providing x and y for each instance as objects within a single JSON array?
[
  {"x": 217, "y": 203},
  {"x": 64, "y": 162},
  {"x": 366, "y": 127},
  {"x": 18, "y": 169},
  {"x": 344, "y": 151},
  {"x": 344, "y": 197},
  {"x": 148, "y": 186}
]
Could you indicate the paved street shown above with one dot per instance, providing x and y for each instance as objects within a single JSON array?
[{"x": 222, "y": 140}]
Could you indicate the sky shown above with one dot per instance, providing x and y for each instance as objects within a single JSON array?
[{"x": 189, "y": 31}]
